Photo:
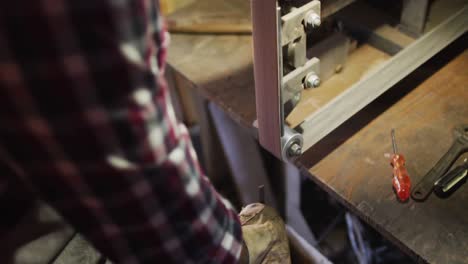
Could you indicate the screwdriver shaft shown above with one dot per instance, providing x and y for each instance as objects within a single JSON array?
[
  {"x": 401, "y": 180},
  {"x": 395, "y": 149}
]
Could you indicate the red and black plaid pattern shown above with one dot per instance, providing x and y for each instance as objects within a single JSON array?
[{"x": 86, "y": 122}]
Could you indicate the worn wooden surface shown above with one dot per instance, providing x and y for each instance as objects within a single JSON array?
[
  {"x": 226, "y": 16},
  {"x": 346, "y": 104},
  {"x": 212, "y": 16},
  {"x": 356, "y": 169},
  {"x": 169, "y": 6},
  {"x": 220, "y": 66},
  {"x": 350, "y": 163}
]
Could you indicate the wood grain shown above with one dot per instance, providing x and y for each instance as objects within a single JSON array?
[
  {"x": 169, "y": 6},
  {"x": 435, "y": 231},
  {"x": 212, "y": 16}
]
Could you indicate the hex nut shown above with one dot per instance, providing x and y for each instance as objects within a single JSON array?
[
  {"x": 313, "y": 20},
  {"x": 312, "y": 81},
  {"x": 295, "y": 150}
]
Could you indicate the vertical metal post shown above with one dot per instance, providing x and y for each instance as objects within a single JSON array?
[{"x": 414, "y": 16}]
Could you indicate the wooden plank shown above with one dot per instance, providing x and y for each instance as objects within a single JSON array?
[
  {"x": 423, "y": 109},
  {"x": 267, "y": 92},
  {"x": 223, "y": 16},
  {"x": 322, "y": 122},
  {"x": 394, "y": 35},
  {"x": 169, "y": 6},
  {"x": 220, "y": 67},
  {"x": 212, "y": 16}
]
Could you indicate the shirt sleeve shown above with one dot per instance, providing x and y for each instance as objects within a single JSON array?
[{"x": 86, "y": 116}]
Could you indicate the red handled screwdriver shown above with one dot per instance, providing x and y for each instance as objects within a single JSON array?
[{"x": 401, "y": 180}]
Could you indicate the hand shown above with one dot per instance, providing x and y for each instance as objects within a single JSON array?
[{"x": 264, "y": 233}]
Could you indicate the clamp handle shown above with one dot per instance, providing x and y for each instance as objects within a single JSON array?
[{"x": 424, "y": 188}]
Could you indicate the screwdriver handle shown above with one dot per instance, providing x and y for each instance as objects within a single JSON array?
[{"x": 401, "y": 180}]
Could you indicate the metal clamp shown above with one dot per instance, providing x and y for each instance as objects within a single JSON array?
[
  {"x": 295, "y": 81},
  {"x": 293, "y": 36},
  {"x": 295, "y": 23}
]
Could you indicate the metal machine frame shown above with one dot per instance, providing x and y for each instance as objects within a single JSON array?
[{"x": 276, "y": 31}]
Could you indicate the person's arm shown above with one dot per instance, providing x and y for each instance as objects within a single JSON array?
[{"x": 87, "y": 117}]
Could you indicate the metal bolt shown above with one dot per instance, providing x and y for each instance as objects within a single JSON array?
[
  {"x": 295, "y": 150},
  {"x": 312, "y": 81},
  {"x": 313, "y": 20},
  {"x": 296, "y": 98}
]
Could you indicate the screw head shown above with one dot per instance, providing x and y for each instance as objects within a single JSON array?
[
  {"x": 313, "y": 20},
  {"x": 295, "y": 150},
  {"x": 297, "y": 97},
  {"x": 312, "y": 81}
]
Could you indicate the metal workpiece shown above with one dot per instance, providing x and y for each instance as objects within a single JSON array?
[
  {"x": 291, "y": 144},
  {"x": 294, "y": 82},
  {"x": 297, "y": 52},
  {"x": 293, "y": 39},
  {"x": 294, "y": 23}
]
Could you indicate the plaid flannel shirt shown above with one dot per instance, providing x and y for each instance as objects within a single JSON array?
[{"x": 86, "y": 122}]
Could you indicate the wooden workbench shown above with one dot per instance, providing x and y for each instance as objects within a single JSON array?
[{"x": 350, "y": 163}]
